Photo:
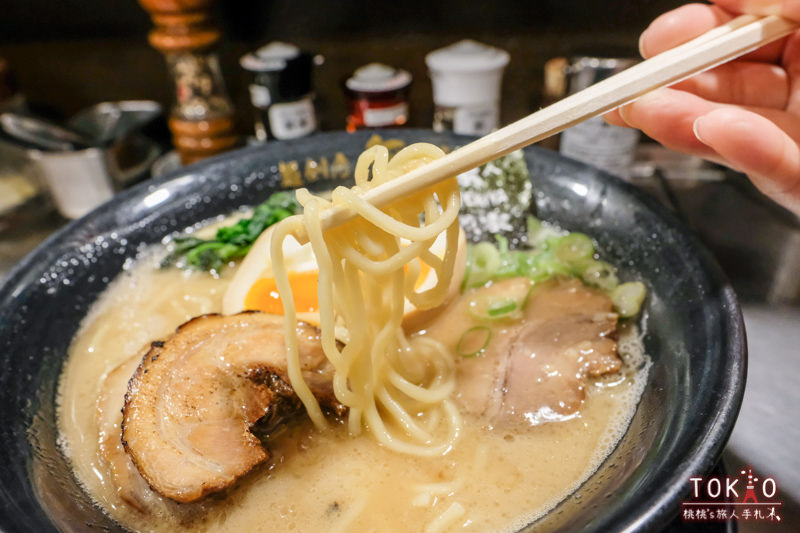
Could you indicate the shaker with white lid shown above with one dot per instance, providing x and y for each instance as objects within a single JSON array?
[
  {"x": 377, "y": 96},
  {"x": 467, "y": 78}
]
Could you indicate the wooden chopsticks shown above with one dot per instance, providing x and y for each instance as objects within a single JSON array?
[{"x": 722, "y": 44}]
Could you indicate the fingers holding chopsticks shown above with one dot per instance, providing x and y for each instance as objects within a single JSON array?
[
  {"x": 762, "y": 143},
  {"x": 744, "y": 114},
  {"x": 742, "y": 83},
  {"x": 784, "y": 8},
  {"x": 683, "y": 24}
]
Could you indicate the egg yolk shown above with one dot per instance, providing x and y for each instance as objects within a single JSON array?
[
  {"x": 424, "y": 269},
  {"x": 263, "y": 295}
]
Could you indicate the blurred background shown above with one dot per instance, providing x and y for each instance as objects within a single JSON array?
[{"x": 70, "y": 54}]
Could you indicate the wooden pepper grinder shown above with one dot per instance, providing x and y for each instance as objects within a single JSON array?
[{"x": 201, "y": 120}]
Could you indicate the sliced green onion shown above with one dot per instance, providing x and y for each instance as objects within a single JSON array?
[
  {"x": 502, "y": 244},
  {"x": 537, "y": 232},
  {"x": 474, "y": 341},
  {"x": 486, "y": 307},
  {"x": 601, "y": 275},
  {"x": 484, "y": 260},
  {"x": 540, "y": 233},
  {"x": 502, "y": 308},
  {"x": 509, "y": 261},
  {"x": 628, "y": 298},
  {"x": 549, "y": 266},
  {"x": 574, "y": 248}
]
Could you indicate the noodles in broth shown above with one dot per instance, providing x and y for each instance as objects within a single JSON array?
[
  {"x": 416, "y": 450},
  {"x": 367, "y": 269}
]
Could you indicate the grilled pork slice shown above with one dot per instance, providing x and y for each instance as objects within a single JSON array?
[
  {"x": 131, "y": 487},
  {"x": 535, "y": 365},
  {"x": 193, "y": 399}
]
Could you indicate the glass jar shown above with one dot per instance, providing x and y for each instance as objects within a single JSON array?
[{"x": 377, "y": 97}]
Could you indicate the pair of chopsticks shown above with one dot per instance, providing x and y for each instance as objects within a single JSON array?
[{"x": 720, "y": 45}]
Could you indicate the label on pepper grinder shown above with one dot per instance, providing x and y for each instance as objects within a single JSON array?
[{"x": 291, "y": 120}]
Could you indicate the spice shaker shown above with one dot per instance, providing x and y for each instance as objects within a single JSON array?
[
  {"x": 596, "y": 142},
  {"x": 377, "y": 97},
  {"x": 281, "y": 91},
  {"x": 467, "y": 78}
]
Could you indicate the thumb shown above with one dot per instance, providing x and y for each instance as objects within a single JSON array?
[{"x": 756, "y": 146}]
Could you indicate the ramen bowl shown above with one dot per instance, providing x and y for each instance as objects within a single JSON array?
[{"x": 691, "y": 321}]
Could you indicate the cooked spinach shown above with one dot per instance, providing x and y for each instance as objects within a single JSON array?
[{"x": 230, "y": 242}]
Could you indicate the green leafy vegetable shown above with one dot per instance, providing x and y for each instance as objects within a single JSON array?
[{"x": 231, "y": 242}]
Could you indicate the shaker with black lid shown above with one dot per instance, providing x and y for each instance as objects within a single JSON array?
[{"x": 281, "y": 91}]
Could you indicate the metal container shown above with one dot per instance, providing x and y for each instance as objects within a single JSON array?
[
  {"x": 594, "y": 141},
  {"x": 113, "y": 155}
]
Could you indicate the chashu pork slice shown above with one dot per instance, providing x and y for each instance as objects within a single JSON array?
[
  {"x": 568, "y": 334},
  {"x": 534, "y": 367},
  {"x": 130, "y": 485},
  {"x": 192, "y": 401}
]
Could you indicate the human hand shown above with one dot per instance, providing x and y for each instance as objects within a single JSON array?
[{"x": 744, "y": 114}]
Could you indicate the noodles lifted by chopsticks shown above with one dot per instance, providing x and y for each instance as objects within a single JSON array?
[{"x": 397, "y": 387}]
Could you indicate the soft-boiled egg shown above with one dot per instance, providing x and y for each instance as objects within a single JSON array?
[{"x": 254, "y": 288}]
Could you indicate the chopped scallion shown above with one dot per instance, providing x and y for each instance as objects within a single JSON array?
[
  {"x": 601, "y": 275},
  {"x": 501, "y": 308},
  {"x": 484, "y": 260},
  {"x": 574, "y": 249},
  {"x": 494, "y": 307},
  {"x": 474, "y": 341},
  {"x": 628, "y": 298}
]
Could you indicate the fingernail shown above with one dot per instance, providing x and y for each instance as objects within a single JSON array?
[
  {"x": 622, "y": 112},
  {"x": 641, "y": 44},
  {"x": 697, "y": 129}
]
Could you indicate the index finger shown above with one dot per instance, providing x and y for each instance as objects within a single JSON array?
[
  {"x": 785, "y": 8},
  {"x": 683, "y": 24}
]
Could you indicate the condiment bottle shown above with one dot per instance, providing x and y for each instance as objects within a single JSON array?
[
  {"x": 201, "y": 118},
  {"x": 596, "y": 142},
  {"x": 467, "y": 78},
  {"x": 281, "y": 91},
  {"x": 377, "y": 96}
]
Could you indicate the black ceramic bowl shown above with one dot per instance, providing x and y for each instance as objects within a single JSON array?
[{"x": 694, "y": 331}]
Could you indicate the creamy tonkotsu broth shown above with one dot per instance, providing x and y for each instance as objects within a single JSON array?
[{"x": 491, "y": 480}]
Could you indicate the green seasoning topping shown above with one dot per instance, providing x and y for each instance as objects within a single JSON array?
[
  {"x": 231, "y": 242},
  {"x": 628, "y": 298},
  {"x": 474, "y": 341},
  {"x": 494, "y": 307},
  {"x": 550, "y": 253}
]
